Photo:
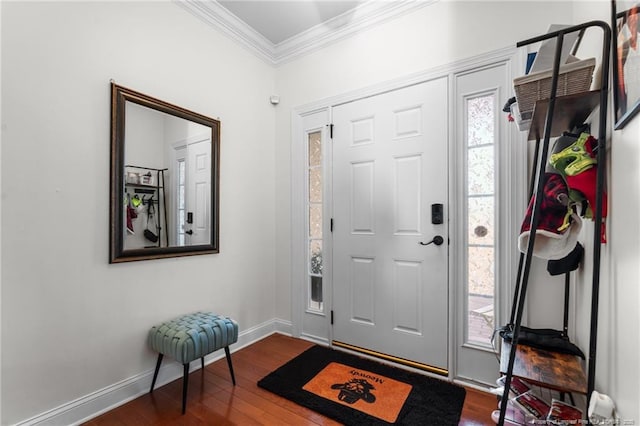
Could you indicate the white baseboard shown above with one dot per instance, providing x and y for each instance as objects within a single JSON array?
[
  {"x": 106, "y": 399},
  {"x": 322, "y": 341}
]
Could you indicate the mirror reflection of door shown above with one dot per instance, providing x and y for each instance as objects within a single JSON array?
[
  {"x": 192, "y": 186},
  {"x": 182, "y": 149}
]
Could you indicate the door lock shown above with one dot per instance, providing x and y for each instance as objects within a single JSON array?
[
  {"x": 437, "y": 240},
  {"x": 437, "y": 214},
  {"x": 189, "y": 232}
]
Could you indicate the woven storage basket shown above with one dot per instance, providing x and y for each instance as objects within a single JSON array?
[{"x": 573, "y": 78}]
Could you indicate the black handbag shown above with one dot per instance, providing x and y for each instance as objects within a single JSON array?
[
  {"x": 542, "y": 338},
  {"x": 148, "y": 234}
]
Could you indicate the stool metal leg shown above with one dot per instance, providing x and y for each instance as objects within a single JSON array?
[
  {"x": 202, "y": 362},
  {"x": 185, "y": 383},
  {"x": 155, "y": 374},
  {"x": 228, "y": 354}
]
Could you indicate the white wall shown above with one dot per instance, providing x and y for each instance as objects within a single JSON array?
[
  {"x": 71, "y": 323},
  {"x": 617, "y": 367},
  {"x": 144, "y": 130}
]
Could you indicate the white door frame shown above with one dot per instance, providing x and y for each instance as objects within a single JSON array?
[
  {"x": 474, "y": 362},
  {"x": 307, "y": 324},
  {"x": 174, "y": 155},
  {"x": 298, "y": 240}
]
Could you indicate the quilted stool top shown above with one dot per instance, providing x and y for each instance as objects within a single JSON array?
[{"x": 193, "y": 336}]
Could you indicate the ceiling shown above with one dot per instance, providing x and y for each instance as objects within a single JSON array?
[
  {"x": 280, "y": 20},
  {"x": 280, "y": 30}
]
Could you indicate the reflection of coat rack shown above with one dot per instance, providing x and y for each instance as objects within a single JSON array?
[{"x": 151, "y": 188}]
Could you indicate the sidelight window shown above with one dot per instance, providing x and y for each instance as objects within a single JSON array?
[
  {"x": 314, "y": 220},
  {"x": 180, "y": 205},
  {"x": 480, "y": 215}
]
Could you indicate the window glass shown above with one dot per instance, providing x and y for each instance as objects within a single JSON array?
[
  {"x": 314, "y": 231},
  {"x": 480, "y": 287},
  {"x": 315, "y": 185},
  {"x": 179, "y": 226},
  {"x": 315, "y": 149}
]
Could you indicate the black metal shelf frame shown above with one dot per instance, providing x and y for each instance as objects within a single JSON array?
[
  {"x": 159, "y": 187},
  {"x": 537, "y": 185}
]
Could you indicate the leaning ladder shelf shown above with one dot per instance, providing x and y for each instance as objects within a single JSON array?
[
  {"x": 550, "y": 118},
  {"x": 157, "y": 188}
]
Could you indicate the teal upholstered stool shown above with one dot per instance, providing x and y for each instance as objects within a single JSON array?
[{"x": 190, "y": 337}]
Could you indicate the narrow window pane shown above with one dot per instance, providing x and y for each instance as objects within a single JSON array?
[
  {"x": 480, "y": 120},
  {"x": 481, "y": 271},
  {"x": 315, "y": 185},
  {"x": 181, "y": 197},
  {"x": 314, "y": 231},
  {"x": 315, "y": 256},
  {"x": 315, "y": 149},
  {"x": 481, "y": 235},
  {"x": 316, "y": 289},
  {"x": 181, "y": 171},
  {"x": 179, "y": 225},
  {"x": 481, "y": 172},
  {"x": 480, "y": 220},
  {"x": 480, "y": 319},
  {"x": 315, "y": 221}
]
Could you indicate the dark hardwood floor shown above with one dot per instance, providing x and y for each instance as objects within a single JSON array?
[{"x": 213, "y": 400}]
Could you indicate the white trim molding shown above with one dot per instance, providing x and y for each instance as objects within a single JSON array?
[
  {"x": 365, "y": 16},
  {"x": 103, "y": 400}
]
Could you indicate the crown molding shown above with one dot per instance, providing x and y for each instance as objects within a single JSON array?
[
  {"x": 365, "y": 16},
  {"x": 212, "y": 13}
]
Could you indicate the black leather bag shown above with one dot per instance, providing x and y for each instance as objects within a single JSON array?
[
  {"x": 149, "y": 235},
  {"x": 542, "y": 338}
]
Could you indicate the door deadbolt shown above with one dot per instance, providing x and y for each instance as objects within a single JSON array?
[{"x": 437, "y": 214}]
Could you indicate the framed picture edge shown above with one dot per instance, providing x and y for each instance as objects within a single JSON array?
[
  {"x": 622, "y": 121},
  {"x": 619, "y": 122}
]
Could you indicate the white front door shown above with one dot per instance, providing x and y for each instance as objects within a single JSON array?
[
  {"x": 390, "y": 293},
  {"x": 198, "y": 194}
]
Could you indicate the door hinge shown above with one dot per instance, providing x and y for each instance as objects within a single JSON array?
[
  {"x": 332, "y": 317},
  {"x": 331, "y": 225},
  {"x": 331, "y": 130}
]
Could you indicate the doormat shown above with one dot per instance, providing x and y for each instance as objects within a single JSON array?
[{"x": 355, "y": 390}]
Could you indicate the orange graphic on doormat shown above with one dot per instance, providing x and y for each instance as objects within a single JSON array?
[{"x": 371, "y": 393}]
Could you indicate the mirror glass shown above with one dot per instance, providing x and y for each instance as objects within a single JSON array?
[{"x": 164, "y": 179}]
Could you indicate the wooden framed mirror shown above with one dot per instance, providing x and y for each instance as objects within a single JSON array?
[{"x": 165, "y": 179}]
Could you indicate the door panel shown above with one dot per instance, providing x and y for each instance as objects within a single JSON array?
[
  {"x": 199, "y": 192},
  {"x": 389, "y": 167}
]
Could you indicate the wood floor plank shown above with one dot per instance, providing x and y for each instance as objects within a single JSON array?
[
  {"x": 213, "y": 400},
  {"x": 477, "y": 408}
]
